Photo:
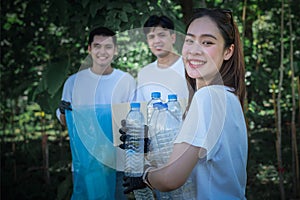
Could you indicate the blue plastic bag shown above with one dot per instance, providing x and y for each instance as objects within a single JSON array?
[{"x": 93, "y": 152}]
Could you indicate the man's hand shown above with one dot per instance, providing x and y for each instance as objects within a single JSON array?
[
  {"x": 133, "y": 183},
  {"x": 123, "y": 131},
  {"x": 63, "y": 106}
]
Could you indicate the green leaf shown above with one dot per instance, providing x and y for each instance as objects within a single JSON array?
[
  {"x": 128, "y": 8},
  {"x": 56, "y": 75},
  {"x": 84, "y": 3},
  {"x": 93, "y": 9},
  {"x": 123, "y": 16},
  {"x": 64, "y": 189}
]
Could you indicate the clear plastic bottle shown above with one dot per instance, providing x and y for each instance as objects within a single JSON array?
[
  {"x": 174, "y": 106},
  {"x": 152, "y": 154},
  {"x": 166, "y": 129},
  {"x": 134, "y": 165},
  {"x": 155, "y": 97},
  {"x": 156, "y": 107}
]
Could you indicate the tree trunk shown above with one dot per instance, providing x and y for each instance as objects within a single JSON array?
[
  {"x": 279, "y": 131},
  {"x": 187, "y": 8},
  {"x": 295, "y": 158},
  {"x": 244, "y": 20},
  {"x": 243, "y": 36},
  {"x": 45, "y": 150}
]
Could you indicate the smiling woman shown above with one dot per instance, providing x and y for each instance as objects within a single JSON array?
[
  {"x": 212, "y": 143},
  {"x": 203, "y": 51}
]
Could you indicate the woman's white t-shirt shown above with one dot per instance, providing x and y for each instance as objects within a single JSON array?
[{"x": 215, "y": 122}]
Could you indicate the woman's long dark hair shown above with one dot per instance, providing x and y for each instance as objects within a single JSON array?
[{"x": 232, "y": 71}]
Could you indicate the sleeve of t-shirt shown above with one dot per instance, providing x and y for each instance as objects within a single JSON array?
[
  {"x": 204, "y": 122},
  {"x": 68, "y": 89},
  {"x": 67, "y": 93}
]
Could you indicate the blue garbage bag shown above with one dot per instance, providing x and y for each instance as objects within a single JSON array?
[{"x": 93, "y": 152}]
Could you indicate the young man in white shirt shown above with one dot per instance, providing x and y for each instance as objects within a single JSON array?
[
  {"x": 166, "y": 74},
  {"x": 92, "y": 92}
]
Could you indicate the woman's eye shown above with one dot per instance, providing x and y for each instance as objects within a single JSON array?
[{"x": 207, "y": 43}]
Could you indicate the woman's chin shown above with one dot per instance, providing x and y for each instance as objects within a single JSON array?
[{"x": 193, "y": 74}]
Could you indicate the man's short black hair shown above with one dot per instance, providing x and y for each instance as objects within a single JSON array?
[
  {"x": 102, "y": 31},
  {"x": 155, "y": 21}
]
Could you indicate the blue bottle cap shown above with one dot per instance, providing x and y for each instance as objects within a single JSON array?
[
  {"x": 155, "y": 95},
  {"x": 135, "y": 105},
  {"x": 164, "y": 105},
  {"x": 172, "y": 96}
]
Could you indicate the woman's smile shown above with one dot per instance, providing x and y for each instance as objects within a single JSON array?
[{"x": 195, "y": 63}]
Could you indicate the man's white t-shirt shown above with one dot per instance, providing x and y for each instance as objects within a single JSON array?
[
  {"x": 171, "y": 80},
  {"x": 215, "y": 122},
  {"x": 88, "y": 88}
]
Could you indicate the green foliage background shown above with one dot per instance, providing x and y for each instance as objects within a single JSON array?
[{"x": 43, "y": 42}]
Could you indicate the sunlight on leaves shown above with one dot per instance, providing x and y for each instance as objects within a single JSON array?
[{"x": 267, "y": 173}]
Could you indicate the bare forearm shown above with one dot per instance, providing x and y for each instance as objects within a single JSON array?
[
  {"x": 63, "y": 119},
  {"x": 175, "y": 173}
]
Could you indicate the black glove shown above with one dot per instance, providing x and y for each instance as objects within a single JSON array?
[
  {"x": 64, "y": 105},
  {"x": 133, "y": 183},
  {"x": 123, "y": 130}
]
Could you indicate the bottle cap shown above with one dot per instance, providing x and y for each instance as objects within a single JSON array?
[
  {"x": 155, "y": 95},
  {"x": 164, "y": 105},
  {"x": 135, "y": 105},
  {"x": 172, "y": 97}
]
